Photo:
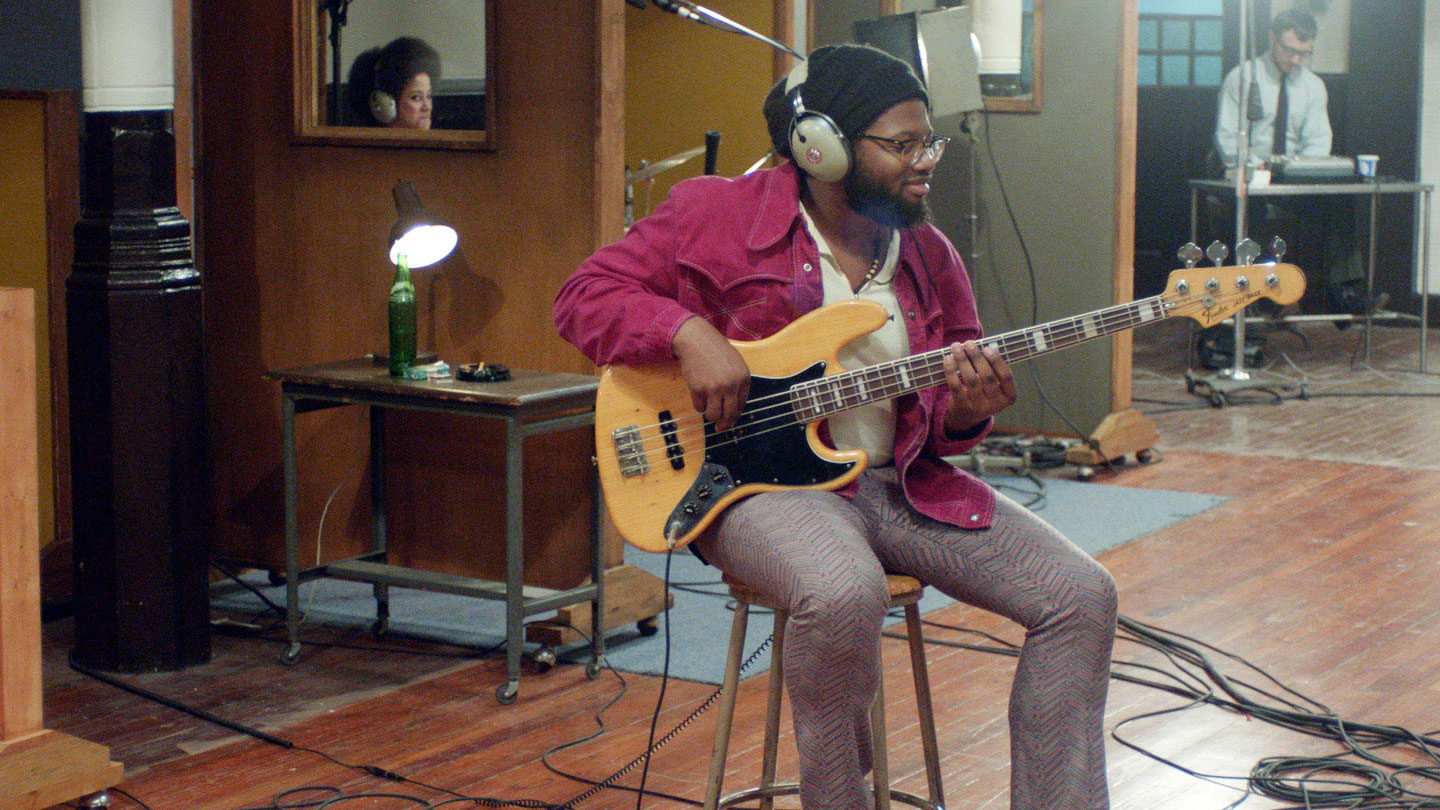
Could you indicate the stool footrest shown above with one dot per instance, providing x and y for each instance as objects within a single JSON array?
[{"x": 793, "y": 789}]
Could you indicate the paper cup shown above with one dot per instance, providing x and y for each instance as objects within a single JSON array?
[{"x": 1365, "y": 165}]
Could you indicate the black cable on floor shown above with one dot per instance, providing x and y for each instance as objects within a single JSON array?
[
  {"x": 1276, "y": 398},
  {"x": 178, "y": 706},
  {"x": 1359, "y": 777}
]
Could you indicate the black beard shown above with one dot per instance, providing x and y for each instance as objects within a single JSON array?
[{"x": 870, "y": 199}]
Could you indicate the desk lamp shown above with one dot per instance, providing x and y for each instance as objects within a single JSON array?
[{"x": 417, "y": 240}]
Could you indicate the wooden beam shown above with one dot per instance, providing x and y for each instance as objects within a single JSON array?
[
  {"x": 19, "y": 519},
  {"x": 1126, "y": 124},
  {"x": 38, "y": 768}
]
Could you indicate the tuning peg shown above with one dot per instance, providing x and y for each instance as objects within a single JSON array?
[
  {"x": 1277, "y": 249},
  {"x": 1247, "y": 251},
  {"x": 1190, "y": 254},
  {"x": 1216, "y": 252}
]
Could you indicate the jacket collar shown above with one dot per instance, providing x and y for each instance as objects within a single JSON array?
[{"x": 779, "y": 207}]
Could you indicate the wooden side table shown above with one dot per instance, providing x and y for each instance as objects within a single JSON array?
[{"x": 530, "y": 403}]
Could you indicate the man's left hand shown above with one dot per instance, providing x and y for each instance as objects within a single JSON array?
[{"x": 981, "y": 385}]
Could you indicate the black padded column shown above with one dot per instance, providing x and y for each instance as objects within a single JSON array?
[{"x": 136, "y": 406}]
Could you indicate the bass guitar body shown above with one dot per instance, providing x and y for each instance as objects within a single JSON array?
[{"x": 666, "y": 473}]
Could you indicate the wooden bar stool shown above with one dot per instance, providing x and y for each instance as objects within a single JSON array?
[{"x": 904, "y": 592}]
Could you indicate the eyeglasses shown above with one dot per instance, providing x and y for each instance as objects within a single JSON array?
[
  {"x": 1294, "y": 52},
  {"x": 909, "y": 150}
]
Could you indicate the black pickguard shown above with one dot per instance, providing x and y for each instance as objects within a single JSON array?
[{"x": 767, "y": 446}]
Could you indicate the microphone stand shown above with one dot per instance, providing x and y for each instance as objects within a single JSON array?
[
  {"x": 1236, "y": 378},
  {"x": 1242, "y": 180},
  {"x": 339, "y": 11}
]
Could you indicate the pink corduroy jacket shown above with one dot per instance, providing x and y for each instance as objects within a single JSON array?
[{"x": 736, "y": 252}]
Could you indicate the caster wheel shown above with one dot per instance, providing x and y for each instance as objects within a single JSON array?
[
  {"x": 291, "y": 655},
  {"x": 505, "y": 693},
  {"x": 592, "y": 670},
  {"x": 543, "y": 659},
  {"x": 1085, "y": 472},
  {"x": 1148, "y": 456},
  {"x": 379, "y": 628},
  {"x": 648, "y": 627}
]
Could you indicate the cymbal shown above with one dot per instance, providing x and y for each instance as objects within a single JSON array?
[{"x": 641, "y": 175}]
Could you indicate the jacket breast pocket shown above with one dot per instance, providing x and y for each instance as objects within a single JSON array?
[{"x": 744, "y": 303}]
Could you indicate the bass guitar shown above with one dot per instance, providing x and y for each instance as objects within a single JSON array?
[{"x": 667, "y": 473}]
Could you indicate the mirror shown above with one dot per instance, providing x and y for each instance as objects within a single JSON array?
[
  {"x": 1010, "y": 52},
  {"x": 396, "y": 44}
]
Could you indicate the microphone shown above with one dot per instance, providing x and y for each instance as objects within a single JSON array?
[
  {"x": 676, "y": 7},
  {"x": 1254, "y": 110},
  {"x": 712, "y": 150}
]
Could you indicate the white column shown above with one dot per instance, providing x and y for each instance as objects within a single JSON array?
[{"x": 127, "y": 55}]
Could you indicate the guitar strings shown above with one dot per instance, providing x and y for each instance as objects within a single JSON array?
[
  {"x": 775, "y": 411},
  {"x": 922, "y": 370}
]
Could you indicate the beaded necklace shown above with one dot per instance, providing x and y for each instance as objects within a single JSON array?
[{"x": 882, "y": 245}]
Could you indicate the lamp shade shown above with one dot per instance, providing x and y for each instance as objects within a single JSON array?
[{"x": 422, "y": 238}]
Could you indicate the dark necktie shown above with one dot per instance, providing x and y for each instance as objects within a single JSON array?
[{"x": 1282, "y": 115}]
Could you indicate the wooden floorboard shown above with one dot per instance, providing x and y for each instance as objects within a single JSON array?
[{"x": 1320, "y": 567}]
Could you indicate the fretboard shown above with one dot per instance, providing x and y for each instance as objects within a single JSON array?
[{"x": 824, "y": 396}]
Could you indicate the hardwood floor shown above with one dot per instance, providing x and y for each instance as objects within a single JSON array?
[{"x": 1320, "y": 569}]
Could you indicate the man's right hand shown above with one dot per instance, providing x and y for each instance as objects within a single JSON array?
[{"x": 716, "y": 374}]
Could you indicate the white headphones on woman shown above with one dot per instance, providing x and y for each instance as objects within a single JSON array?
[
  {"x": 816, "y": 144},
  {"x": 382, "y": 106}
]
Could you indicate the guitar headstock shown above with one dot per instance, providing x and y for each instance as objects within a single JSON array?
[{"x": 1212, "y": 294}]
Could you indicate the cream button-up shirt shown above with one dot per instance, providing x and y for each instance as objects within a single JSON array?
[{"x": 870, "y": 427}]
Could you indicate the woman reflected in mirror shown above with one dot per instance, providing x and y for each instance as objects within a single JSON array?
[{"x": 391, "y": 85}]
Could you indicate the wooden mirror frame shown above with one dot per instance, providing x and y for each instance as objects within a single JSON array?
[
  {"x": 1030, "y": 103},
  {"x": 308, "y": 37}
]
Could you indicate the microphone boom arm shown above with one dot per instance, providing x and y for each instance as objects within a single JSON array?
[{"x": 705, "y": 16}]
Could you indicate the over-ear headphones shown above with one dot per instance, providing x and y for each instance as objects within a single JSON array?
[
  {"x": 816, "y": 144},
  {"x": 382, "y": 106}
]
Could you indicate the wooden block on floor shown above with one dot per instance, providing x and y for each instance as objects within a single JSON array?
[
  {"x": 49, "y": 768},
  {"x": 631, "y": 595},
  {"x": 1120, "y": 433}
]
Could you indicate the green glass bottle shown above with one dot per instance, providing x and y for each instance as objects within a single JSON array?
[{"x": 402, "y": 318}]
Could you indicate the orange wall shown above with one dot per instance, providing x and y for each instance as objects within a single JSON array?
[
  {"x": 26, "y": 264},
  {"x": 684, "y": 79}
]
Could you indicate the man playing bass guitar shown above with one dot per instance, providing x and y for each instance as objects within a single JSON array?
[{"x": 739, "y": 259}]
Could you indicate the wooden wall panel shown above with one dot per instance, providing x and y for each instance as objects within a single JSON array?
[
  {"x": 40, "y": 134},
  {"x": 294, "y": 267}
]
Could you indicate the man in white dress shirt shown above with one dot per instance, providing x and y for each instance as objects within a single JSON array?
[
  {"x": 1289, "y": 97},
  {"x": 1282, "y": 106}
]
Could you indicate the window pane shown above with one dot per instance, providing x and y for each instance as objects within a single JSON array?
[
  {"x": 1207, "y": 71},
  {"x": 1148, "y": 75},
  {"x": 1208, "y": 35},
  {"x": 1175, "y": 35},
  {"x": 1175, "y": 70},
  {"x": 1149, "y": 35},
  {"x": 1210, "y": 8}
]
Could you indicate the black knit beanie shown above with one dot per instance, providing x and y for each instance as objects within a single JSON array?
[{"x": 853, "y": 84}]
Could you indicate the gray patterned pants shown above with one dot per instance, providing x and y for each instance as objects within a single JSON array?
[{"x": 825, "y": 558}]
